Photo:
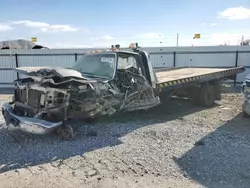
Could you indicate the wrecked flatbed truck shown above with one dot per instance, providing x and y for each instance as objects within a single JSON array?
[{"x": 101, "y": 84}]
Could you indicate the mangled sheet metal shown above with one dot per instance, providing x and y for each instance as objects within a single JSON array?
[{"x": 95, "y": 86}]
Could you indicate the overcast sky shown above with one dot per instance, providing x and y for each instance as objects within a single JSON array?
[{"x": 97, "y": 23}]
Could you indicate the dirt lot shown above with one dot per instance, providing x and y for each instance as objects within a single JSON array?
[{"x": 178, "y": 145}]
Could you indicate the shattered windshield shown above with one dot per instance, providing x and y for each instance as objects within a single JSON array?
[{"x": 96, "y": 65}]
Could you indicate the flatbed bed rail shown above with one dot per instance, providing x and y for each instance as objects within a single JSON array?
[{"x": 169, "y": 79}]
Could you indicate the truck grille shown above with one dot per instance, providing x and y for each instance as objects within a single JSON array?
[
  {"x": 20, "y": 95},
  {"x": 34, "y": 97}
]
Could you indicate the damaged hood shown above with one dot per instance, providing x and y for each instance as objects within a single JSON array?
[{"x": 49, "y": 72}]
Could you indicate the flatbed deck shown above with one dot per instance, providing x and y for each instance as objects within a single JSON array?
[{"x": 186, "y": 75}]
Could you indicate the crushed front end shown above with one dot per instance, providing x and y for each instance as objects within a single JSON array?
[
  {"x": 49, "y": 97},
  {"x": 35, "y": 107},
  {"x": 40, "y": 106}
]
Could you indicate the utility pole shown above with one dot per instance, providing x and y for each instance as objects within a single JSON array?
[
  {"x": 177, "y": 39},
  {"x": 10, "y": 49}
]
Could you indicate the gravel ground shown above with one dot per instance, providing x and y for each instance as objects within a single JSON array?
[{"x": 175, "y": 145}]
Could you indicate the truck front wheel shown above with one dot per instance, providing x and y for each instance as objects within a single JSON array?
[
  {"x": 65, "y": 132},
  {"x": 207, "y": 95}
]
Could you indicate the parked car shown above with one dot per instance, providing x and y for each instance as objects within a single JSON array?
[{"x": 245, "y": 89}]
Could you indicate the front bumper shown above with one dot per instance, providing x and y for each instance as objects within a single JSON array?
[{"x": 27, "y": 124}]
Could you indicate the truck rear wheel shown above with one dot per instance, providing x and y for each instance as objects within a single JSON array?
[{"x": 207, "y": 96}]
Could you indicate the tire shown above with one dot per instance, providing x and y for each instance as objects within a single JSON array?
[
  {"x": 165, "y": 96},
  {"x": 207, "y": 96},
  {"x": 65, "y": 132},
  {"x": 195, "y": 96}
]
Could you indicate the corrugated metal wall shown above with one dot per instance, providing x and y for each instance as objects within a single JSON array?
[{"x": 210, "y": 56}]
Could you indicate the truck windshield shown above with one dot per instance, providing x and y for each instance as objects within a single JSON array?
[{"x": 96, "y": 65}]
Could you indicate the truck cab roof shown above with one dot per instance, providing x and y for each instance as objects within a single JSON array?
[{"x": 118, "y": 52}]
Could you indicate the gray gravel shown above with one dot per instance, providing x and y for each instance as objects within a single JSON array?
[{"x": 176, "y": 145}]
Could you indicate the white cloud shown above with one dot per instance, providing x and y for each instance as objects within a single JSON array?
[
  {"x": 45, "y": 27},
  {"x": 237, "y": 13},
  {"x": 60, "y": 45},
  {"x": 4, "y": 27},
  {"x": 148, "y": 35},
  {"x": 102, "y": 38},
  {"x": 28, "y": 23},
  {"x": 57, "y": 28},
  {"x": 208, "y": 24}
]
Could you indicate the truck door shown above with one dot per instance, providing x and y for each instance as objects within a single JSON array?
[
  {"x": 131, "y": 80},
  {"x": 142, "y": 61}
]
